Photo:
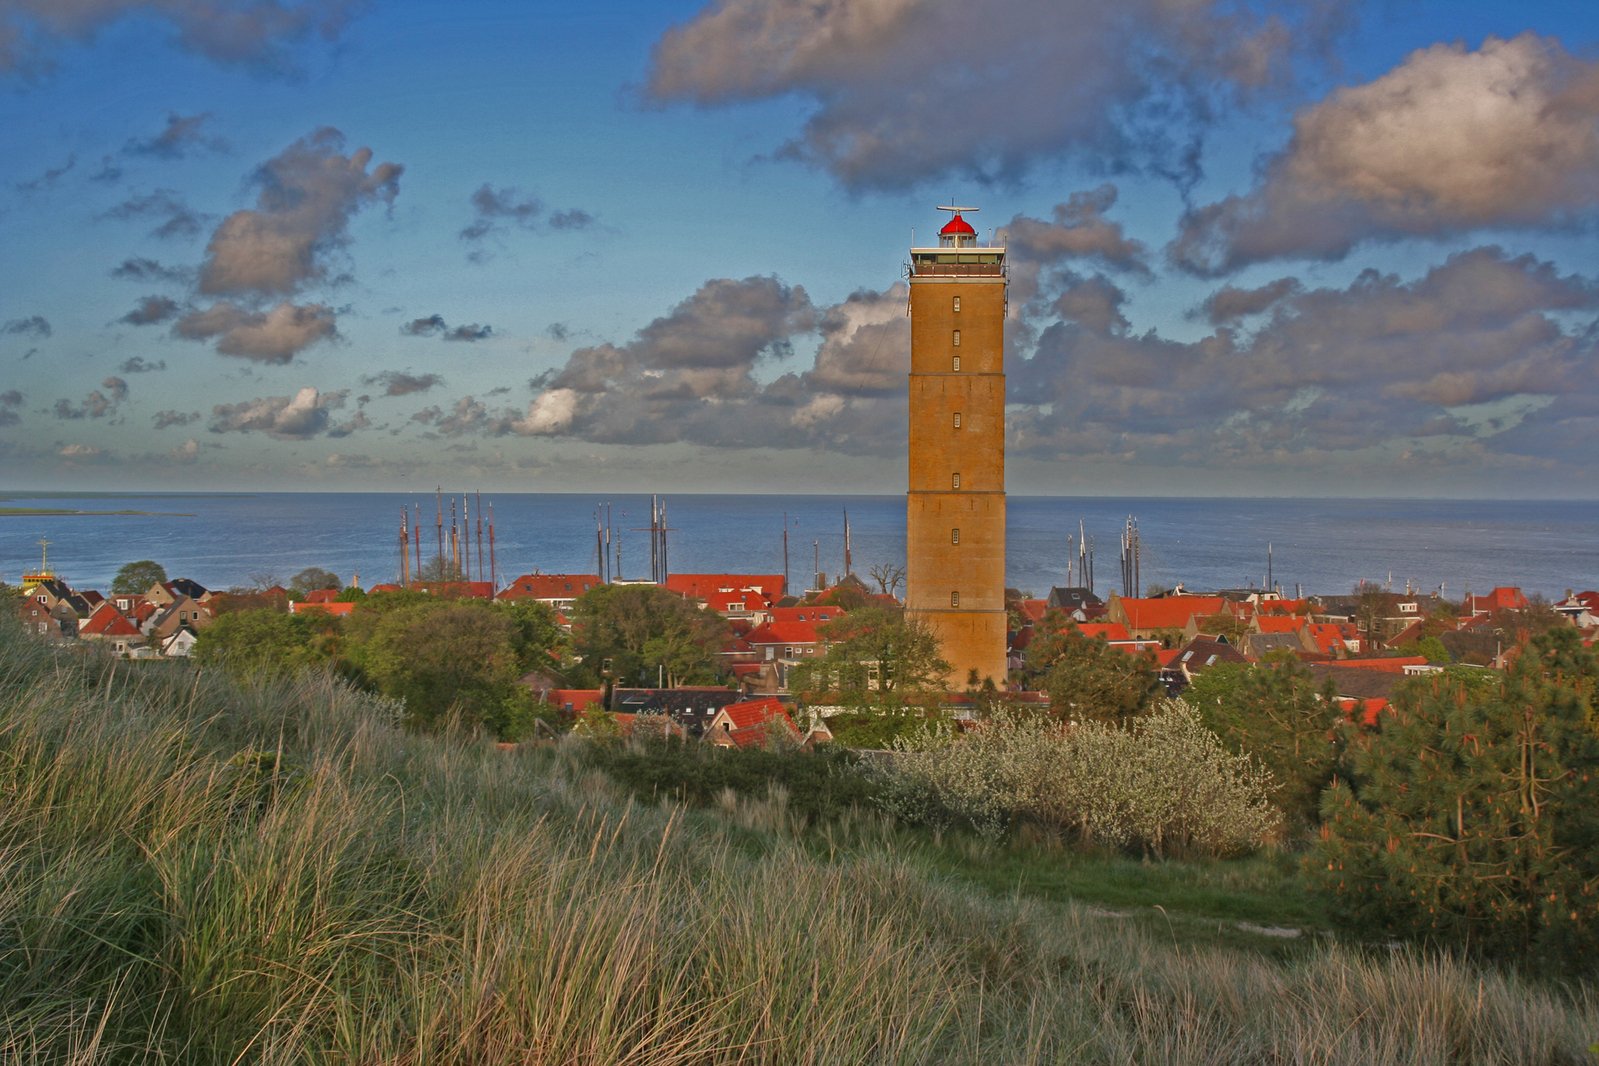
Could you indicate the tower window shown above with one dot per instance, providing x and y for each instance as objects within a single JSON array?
[
  {"x": 955, "y": 535},
  {"x": 957, "y": 306},
  {"x": 954, "y": 599},
  {"x": 954, "y": 481},
  {"x": 956, "y": 340},
  {"x": 957, "y": 420},
  {"x": 955, "y": 364}
]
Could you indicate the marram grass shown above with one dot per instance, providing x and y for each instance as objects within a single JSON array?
[{"x": 196, "y": 869}]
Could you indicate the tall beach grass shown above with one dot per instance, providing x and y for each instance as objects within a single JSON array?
[{"x": 201, "y": 869}]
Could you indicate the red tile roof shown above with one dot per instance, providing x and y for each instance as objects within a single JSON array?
[
  {"x": 1286, "y": 623},
  {"x": 107, "y": 621},
  {"x": 751, "y": 720},
  {"x": 1394, "y": 665},
  {"x": 338, "y": 610},
  {"x": 321, "y": 596},
  {"x": 1105, "y": 630},
  {"x": 1167, "y": 612},
  {"x": 1033, "y": 610},
  {"x": 1503, "y": 598},
  {"x": 549, "y": 586},
  {"x": 700, "y": 586},
  {"x": 784, "y": 633},
  {"x": 807, "y": 613}
]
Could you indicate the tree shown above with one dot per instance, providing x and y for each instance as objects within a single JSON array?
[
  {"x": 266, "y": 639},
  {"x": 1472, "y": 819},
  {"x": 646, "y": 632},
  {"x": 875, "y": 656},
  {"x": 1283, "y": 717},
  {"x": 138, "y": 577},
  {"x": 1086, "y": 677},
  {"x": 889, "y": 578},
  {"x": 445, "y": 658},
  {"x": 313, "y": 578}
]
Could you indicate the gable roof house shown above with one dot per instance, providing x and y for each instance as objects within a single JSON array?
[
  {"x": 557, "y": 590},
  {"x": 1151, "y": 618},
  {"x": 752, "y": 723},
  {"x": 109, "y": 625}
]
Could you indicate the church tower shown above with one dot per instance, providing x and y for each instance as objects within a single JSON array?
[{"x": 955, "y": 509}]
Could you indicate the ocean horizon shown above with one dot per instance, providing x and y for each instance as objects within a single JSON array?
[{"x": 1323, "y": 545}]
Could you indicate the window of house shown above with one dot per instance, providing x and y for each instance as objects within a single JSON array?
[
  {"x": 954, "y": 481},
  {"x": 957, "y": 420},
  {"x": 954, "y": 599},
  {"x": 955, "y": 535},
  {"x": 957, "y": 338},
  {"x": 957, "y": 304},
  {"x": 955, "y": 364}
]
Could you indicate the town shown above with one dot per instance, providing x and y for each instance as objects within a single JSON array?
[{"x": 759, "y": 660}]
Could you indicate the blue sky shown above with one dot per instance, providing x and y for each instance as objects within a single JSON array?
[{"x": 1307, "y": 248}]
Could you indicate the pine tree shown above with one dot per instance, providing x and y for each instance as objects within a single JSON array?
[{"x": 1472, "y": 819}]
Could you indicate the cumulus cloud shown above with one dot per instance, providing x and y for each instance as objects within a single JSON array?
[
  {"x": 302, "y": 416},
  {"x": 273, "y": 336},
  {"x": 435, "y": 326},
  {"x": 1382, "y": 363},
  {"x": 1230, "y": 303},
  {"x": 904, "y": 90},
  {"x": 137, "y": 364},
  {"x": 495, "y": 209},
  {"x": 32, "y": 326},
  {"x": 260, "y": 34},
  {"x": 181, "y": 135},
  {"x": 81, "y": 452},
  {"x": 401, "y": 383},
  {"x": 175, "y": 218},
  {"x": 167, "y": 419},
  {"x": 151, "y": 310},
  {"x": 140, "y": 268},
  {"x": 98, "y": 404},
  {"x": 1449, "y": 141},
  {"x": 307, "y": 196},
  {"x": 187, "y": 452}
]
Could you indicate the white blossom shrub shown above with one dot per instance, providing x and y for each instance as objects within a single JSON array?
[{"x": 1163, "y": 783}]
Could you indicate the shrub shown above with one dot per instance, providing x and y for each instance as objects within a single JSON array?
[{"x": 1162, "y": 784}]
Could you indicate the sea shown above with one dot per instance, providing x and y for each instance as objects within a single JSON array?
[{"x": 1326, "y": 546}]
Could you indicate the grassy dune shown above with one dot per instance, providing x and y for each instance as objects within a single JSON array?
[{"x": 197, "y": 870}]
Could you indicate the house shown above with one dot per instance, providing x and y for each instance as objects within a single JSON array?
[
  {"x": 1503, "y": 598},
  {"x": 163, "y": 593},
  {"x": 456, "y": 590},
  {"x": 1203, "y": 652},
  {"x": 1152, "y": 618},
  {"x": 786, "y": 643},
  {"x": 181, "y": 613},
  {"x": 692, "y": 707},
  {"x": 1581, "y": 608},
  {"x": 59, "y": 624},
  {"x": 333, "y": 607},
  {"x": 112, "y": 627},
  {"x": 557, "y": 590},
  {"x": 1074, "y": 600},
  {"x": 769, "y": 587},
  {"x": 753, "y": 723},
  {"x": 180, "y": 645}
]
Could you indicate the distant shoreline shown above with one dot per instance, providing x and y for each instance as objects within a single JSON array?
[{"x": 58, "y": 512}]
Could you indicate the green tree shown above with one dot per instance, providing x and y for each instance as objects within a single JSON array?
[
  {"x": 646, "y": 632},
  {"x": 1086, "y": 678},
  {"x": 1283, "y": 717},
  {"x": 1472, "y": 819},
  {"x": 444, "y": 658},
  {"x": 266, "y": 639},
  {"x": 876, "y": 656},
  {"x": 137, "y": 578},
  {"x": 313, "y": 578}
]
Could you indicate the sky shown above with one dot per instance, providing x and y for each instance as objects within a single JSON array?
[{"x": 1297, "y": 248}]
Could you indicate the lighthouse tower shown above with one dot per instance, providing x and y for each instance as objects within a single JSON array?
[{"x": 955, "y": 507}]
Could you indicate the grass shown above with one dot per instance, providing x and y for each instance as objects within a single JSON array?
[{"x": 195, "y": 869}]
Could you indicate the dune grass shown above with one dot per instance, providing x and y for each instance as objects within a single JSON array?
[{"x": 197, "y": 869}]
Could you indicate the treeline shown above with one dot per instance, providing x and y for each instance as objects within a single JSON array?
[{"x": 463, "y": 661}]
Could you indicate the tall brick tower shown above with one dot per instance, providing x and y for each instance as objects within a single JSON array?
[{"x": 955, "y": 509}]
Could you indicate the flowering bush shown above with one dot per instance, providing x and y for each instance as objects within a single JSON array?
[{"x": 1163, "y": 783}]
